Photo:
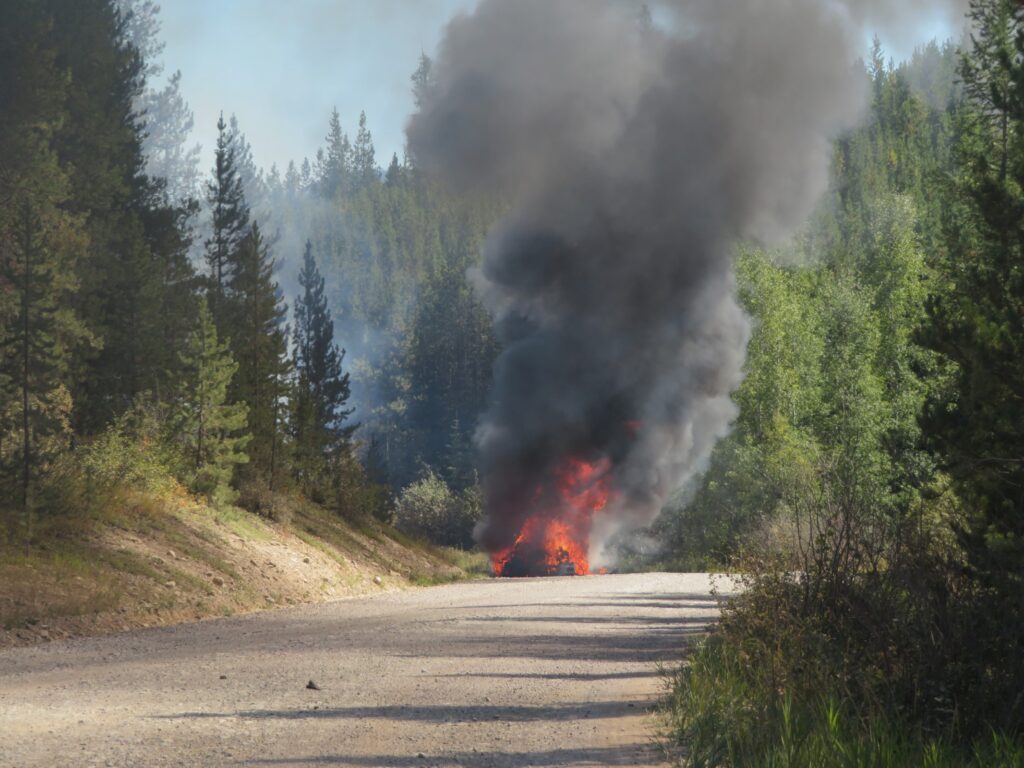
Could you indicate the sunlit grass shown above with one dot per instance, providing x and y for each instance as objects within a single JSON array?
[
  {"x": 471, "y": 561},
  {"x": 242, "y": 523},
  {"x": 717, "y": 719}
]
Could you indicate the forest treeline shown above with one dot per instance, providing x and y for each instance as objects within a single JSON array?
[
  {"x": 312, "y": 331},
  {"x": 195, "y": 318},
  {"x": 871, "y": 490}
]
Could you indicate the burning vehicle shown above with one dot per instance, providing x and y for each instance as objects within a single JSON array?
[
  {"x": 554, "y": 540},
  {"x": 610, "y": 278}
]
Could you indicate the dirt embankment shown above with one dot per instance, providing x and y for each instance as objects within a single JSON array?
[{"x": 156, "y": 563}]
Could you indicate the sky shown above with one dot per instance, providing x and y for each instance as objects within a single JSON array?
[{"x": 282, "y": 66}]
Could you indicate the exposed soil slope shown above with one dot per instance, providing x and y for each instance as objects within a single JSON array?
[{"x": 162, "y": 562}]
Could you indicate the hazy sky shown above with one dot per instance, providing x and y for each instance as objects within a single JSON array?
[{"x": 281, "y": 66}]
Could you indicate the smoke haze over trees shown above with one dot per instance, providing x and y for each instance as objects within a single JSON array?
[
  {"x": 611, "y": 280},
  {"x": 767, "y": 281}
]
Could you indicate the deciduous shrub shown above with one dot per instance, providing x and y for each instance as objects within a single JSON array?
[{"x": 429, "y": 509}]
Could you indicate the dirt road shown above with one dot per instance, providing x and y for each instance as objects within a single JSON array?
[{"x": 540, "y": 672}]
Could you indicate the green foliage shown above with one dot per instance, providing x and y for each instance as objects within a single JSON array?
[
  {"x": 230, "y": 217},
  {"x": 211, "y": 429},
  {"x": 862, "y": 638},
  {"x": 977, "y": 314},
  {"x": 449, "y": 361},
  {"x": 830, "y": 404},
  {"x": 255, "y": 322},
  {"x": 36, "y": 353},
  {"x": 430, "y": 510},
  {"x": 835, "y": 378},
  {"x": 334, "y": 166},
  {"x": 135, "y": 291},
  {"x": 133, "y": 452},
  {"x": 394, "y": 255},
  {"x": 126, "y": 469},
  {"x": 360, "y": 497},
  {"x": 364, "y": 160},
  {"x": 724, "y": 721},
  {"x": 321, "y": 389},
  {"x": 472, "y": 562},
  {"x": 98, "y": 296},
  {"x": 40, "y": 245}
]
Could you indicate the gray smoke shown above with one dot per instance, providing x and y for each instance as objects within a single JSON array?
[
  {"x": 637, "y": 155},
  {"x": 882, "y": 12}
]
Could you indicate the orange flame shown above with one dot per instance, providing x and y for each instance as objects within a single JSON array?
[{"x": 559, "y": 534}]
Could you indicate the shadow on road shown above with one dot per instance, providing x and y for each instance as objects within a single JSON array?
[
  {"x": 570, "y": 618},
  {"x": 629, "y": 755},
  {"x": 651, "y": 645},
  {"x": 667, "y": 601},
  {"x": 434, "y": 714},
  {"x": 567, "y": 676}
]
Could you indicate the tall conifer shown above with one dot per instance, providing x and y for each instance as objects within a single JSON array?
[
  {"x": 212, "y": 428},
  {"x": 229, "y": 212},
  {"x": 40, "y": 243},
  {"x": 334, "y": 164},
  {"x": 258, "y": 336},
  {"x": 322, "y": 390},
  {"x": 364, "y": 158},
  {"x": 978, "y": 317},
  {"x": 133, "y": 235}
]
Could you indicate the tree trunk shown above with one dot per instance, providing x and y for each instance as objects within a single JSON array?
[{"x": 26, "y": 426}]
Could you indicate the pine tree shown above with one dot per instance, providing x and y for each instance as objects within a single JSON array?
[
  {"x": 395, "y": 171},
  {"x": 421, "y": 80},
  {"x": 292, "y": 181},
  {"x": 306, "y": 175},
  {"x": 421, "y": 83},
  {"x": 167, "y": 116},
  {"x": 36, "y": 351},
  {"x": 230, "y": 219},
  {"x": 39, "y": 244},
  {"x": 449, "y": 366},
  {"x": 133, "y": 234},
  {"x": 988, "y": 72},
  {"x": 141, "y": 20},
  {"x": 212, "y": 429},
  {"x": 978, "y": 317},
  {"x": 460, "y": 471},
  {"x": 169, "y": 155},
  {"x": 364, "y": 159},
  {"x": 258, "y": 338},
  {"x": 254, "y": 186},
  {"x": 334, "y": 166},
  {"x": 320, "y": 433}
]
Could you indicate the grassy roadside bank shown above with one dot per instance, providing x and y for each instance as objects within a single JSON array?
[
  {"x": 717, "y": 716},
  {"x": 780, "y": 683},
  {"x": 145, "y": 558}
]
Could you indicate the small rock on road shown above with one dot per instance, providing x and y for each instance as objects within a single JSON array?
[{"x": 500, "y": 673}]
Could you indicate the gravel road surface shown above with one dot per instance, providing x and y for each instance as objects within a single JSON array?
[{"x": 533, "y": 672}]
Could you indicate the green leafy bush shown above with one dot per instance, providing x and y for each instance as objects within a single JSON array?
[
  {"x": 108, "y": 473},
  {"x": 430, "y": 510},
  {"x": 134, "y": 452}
]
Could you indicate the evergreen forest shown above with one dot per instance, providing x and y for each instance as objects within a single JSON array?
[{"x": 252, "y": 336}]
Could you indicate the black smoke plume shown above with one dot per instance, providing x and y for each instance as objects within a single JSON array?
[{"x": 638, "y": 148}]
